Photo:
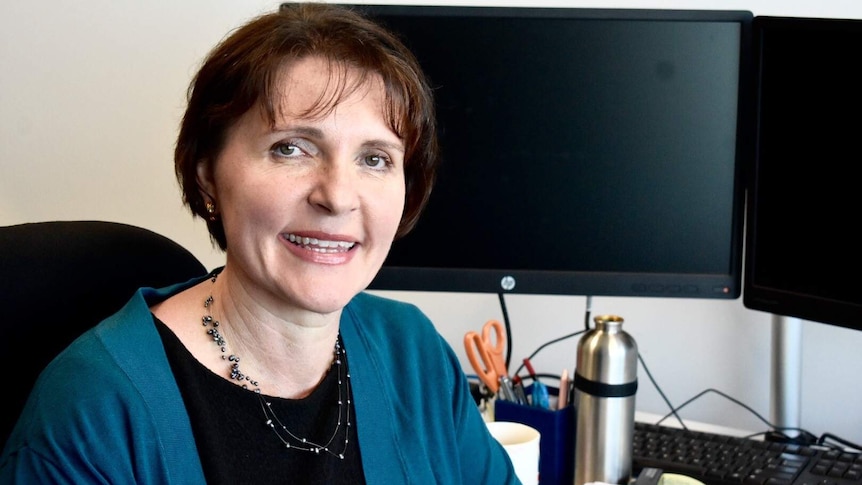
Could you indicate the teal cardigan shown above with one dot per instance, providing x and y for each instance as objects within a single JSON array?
[{"x": 108, "y": 410}]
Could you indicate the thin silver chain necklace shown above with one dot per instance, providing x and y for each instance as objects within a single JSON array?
[{"x": 287, "y": 437}]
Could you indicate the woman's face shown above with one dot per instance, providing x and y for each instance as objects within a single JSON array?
[{"x": 310, "y": 206}]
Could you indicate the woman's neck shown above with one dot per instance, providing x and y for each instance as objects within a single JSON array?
[{"x": 285, "y": 350}]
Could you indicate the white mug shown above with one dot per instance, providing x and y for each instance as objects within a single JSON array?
[{"x": 521, "y": 442}]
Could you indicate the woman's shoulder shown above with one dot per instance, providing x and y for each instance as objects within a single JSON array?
[
  {"x": 111, "y": 385},
  {"x": 103, "y": 358}
]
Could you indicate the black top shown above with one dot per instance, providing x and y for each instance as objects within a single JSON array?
[{"x": 236, "y": 445}]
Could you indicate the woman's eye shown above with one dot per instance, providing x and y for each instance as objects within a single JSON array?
[
  {"x": 378, "y": 162},
  {"x": 286, "y": 150}
]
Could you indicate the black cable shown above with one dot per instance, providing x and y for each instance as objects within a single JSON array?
[
  {"x": 776, "y": 433},
  {"x": 559, "y": 339},
  {"x": 508, "y": 329},
  {"x": 574, "y": 334},
  {"x": 660, "y": 392},
  {"x": 706, "y": 391},
  {"x": 565, "y": 337},
  {"x": 841, "y": 441},
  {"x": 772, "y": 426}
]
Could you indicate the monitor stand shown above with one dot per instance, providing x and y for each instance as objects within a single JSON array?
[{"x": 786, "y": 375}]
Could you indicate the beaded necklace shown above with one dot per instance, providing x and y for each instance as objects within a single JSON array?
[{"x": 287, "y": 437}]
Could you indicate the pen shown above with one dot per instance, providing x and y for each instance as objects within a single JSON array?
[
  {"x": 563, "y": 394},
  {"x": 507, "y": 391},
  {"x": 520, "y": 395}
]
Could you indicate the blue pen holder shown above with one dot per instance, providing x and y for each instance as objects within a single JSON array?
[{"x": 557, "y": 442}]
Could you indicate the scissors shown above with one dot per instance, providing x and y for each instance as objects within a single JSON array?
[{"x": 485, "y": 352}]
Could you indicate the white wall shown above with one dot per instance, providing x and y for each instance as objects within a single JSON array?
[{"x": 90, "y": 98}]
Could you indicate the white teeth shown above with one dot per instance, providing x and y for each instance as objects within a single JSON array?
[{"x": 320, "y": 245}]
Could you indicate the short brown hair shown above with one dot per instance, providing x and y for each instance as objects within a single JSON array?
[{"x": 242, "y": 70}]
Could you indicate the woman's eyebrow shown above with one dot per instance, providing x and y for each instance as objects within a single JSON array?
[
  {"x": 307, "y": 131},
  {"x": 384, "y": 144}
]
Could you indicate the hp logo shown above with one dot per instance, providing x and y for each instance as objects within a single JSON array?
[{"x": 507, "y": 283}]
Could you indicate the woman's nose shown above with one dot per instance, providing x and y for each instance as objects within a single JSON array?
[{"x": 335, "y": 188}]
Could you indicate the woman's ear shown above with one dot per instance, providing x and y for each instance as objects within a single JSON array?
[
  {"x": 205, "y": 180},
  {"x": 206, "y": 186}
]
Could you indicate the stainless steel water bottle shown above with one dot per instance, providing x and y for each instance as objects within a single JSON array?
[{"x": 605, "y": 387}]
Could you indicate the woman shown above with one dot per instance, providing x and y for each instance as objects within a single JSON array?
[{"x": 308, "y": 145}]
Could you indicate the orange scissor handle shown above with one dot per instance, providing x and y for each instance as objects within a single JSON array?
[
  {"x": 481, "y": 360},
  {"x": 495, "y": 345}
]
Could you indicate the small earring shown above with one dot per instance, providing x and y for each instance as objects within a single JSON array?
[{"x": 211, "y": 211}]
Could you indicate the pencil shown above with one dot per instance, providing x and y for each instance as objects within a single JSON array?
[{"x": 563, "y": 394}]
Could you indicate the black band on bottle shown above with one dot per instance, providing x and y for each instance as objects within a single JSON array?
[{"x": 600, "y": 389}]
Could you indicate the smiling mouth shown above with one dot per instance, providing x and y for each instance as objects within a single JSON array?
[{"x": 320, "y": 245}]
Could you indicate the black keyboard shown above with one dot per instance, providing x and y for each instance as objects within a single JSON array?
[{"x": 717, "y": 459}]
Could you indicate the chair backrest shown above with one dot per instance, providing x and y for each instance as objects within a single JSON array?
[{"x": 59, "y": 278}]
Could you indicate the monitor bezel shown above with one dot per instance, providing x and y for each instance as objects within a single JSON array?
[
  {"x": 726, "y": 285},
  {"x": 806, "y": 305}
]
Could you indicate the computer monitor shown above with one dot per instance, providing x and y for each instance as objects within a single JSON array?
[
  {"x": 804, "y": 253},
  {"x": 584, "y": 151}
]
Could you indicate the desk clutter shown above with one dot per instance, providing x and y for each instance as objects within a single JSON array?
[
  {"x": 556, "y": 428},
  {"x": 588, "y": 434},
  {"x": 591, "y": 420},
  {"x": 664, "y": 455}
]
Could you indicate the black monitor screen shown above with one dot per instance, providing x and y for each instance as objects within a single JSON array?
[
  {"x": 804, "y": 254},
  {"x": 584, "y": 151}
]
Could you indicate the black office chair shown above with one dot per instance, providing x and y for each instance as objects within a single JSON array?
[{"x": 59, "y": 278}]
